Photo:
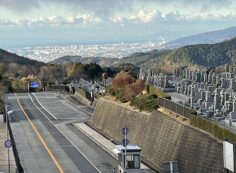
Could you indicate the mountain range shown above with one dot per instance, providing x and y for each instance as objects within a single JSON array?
[
  {"x": 203, "y": 38},
  {"x": 199, "y": 55}
]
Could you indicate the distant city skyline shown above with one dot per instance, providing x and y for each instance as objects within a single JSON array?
[{"x": 53, "y": 22}]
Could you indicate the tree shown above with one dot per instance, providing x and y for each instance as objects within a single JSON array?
[
  {"x": 121, "y": 80},
  {"x": 126, "y": 87}
]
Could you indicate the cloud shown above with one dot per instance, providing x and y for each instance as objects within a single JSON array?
[
  {"x": 147, "y": 17},
  {"x": 6, "y": 22},
  {"x": 141, "y": 17},
  {"x": 19, "y": 5},
  {"x": 104, "y": 7},
  {"x": 52, "y": 20}
]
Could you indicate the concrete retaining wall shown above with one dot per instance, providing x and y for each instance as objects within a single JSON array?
[{"x": 161, "y": 138}]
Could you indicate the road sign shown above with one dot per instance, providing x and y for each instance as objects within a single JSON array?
[
  {"x": 125, "y": 130},
  {"x": 34, "y": 85},
  {"x": 8, "y": 143},
  {"x": 125, "y": 142},
  {"x": 228, "y": 156}
]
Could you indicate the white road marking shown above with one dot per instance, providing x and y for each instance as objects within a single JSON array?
[
  {"x": 64, "y": 135},
  {"x": 43, "y": 107}
]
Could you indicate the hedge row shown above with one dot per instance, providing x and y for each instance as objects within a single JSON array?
[
  {"x": 213, "y": 128},
  {"x": 153, "y": 90}
]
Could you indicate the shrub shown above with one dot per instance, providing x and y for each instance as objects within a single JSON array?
[
  {"x": 111, "y": 91},
  {"x": 120, "y": 94},
  {"x": 153, "y": 90},
  {"x": 146, "y": 102}
]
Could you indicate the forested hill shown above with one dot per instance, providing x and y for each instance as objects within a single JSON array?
[
  {"x": 78, "y": 59},
  {"x": 139, "y": 58},
  {"x": 206, "y": 55},
  {"x": 7, "y": 58}
]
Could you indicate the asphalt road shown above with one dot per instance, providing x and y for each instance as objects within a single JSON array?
[{"x": 45, "y": 140}]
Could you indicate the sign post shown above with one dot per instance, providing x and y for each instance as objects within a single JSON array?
[
  {"x": 125, "y": 142},
  {"x": 33, "y": 85}
]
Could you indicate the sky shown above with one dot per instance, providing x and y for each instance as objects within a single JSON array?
[{"x": 55, "y": 22}]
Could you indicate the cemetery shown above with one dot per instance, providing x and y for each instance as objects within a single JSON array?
[{"x": 211, "y": 94}]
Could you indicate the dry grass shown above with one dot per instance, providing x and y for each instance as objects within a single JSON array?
[{"x": 177, "y": 117}]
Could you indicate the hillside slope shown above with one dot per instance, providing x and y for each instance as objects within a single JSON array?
[
  {"x": 7, "y": 58},
  {"x": 78, "y": 59},
  {"x": 138, "y": 59},
  {"x": 203, "y": 38},
  {"x": 205, "y": 55}
]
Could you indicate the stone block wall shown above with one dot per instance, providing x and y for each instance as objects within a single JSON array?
[{"x": 161, "y": 138}]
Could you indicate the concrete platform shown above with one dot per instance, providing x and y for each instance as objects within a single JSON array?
[{"x": 103, "y": 142}]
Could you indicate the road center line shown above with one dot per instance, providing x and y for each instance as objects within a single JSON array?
[{"x": 40, "y": 138}]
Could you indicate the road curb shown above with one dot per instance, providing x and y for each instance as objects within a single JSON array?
[{"x": 94, "y": 140}]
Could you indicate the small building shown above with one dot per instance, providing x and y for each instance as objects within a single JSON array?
[{"x": 133, "y": 157}]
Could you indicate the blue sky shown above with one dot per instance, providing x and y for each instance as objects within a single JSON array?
[{"x": 46, "y": 22}]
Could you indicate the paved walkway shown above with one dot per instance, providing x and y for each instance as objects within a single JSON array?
[
  {"x": 102, "y": 141},
  {"x": 3, "y": 151}
]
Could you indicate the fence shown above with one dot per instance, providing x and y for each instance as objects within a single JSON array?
[
  {"x": 175, "y": 107},
  {"x": 219, "y": 131}
]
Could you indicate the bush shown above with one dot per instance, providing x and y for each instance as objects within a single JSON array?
[
  {"x": 19, "y": 85},
  {"x": 111, "y": 91},
  {"x": 120, "y": 94},
  {"x": 146, "y": 102}
]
